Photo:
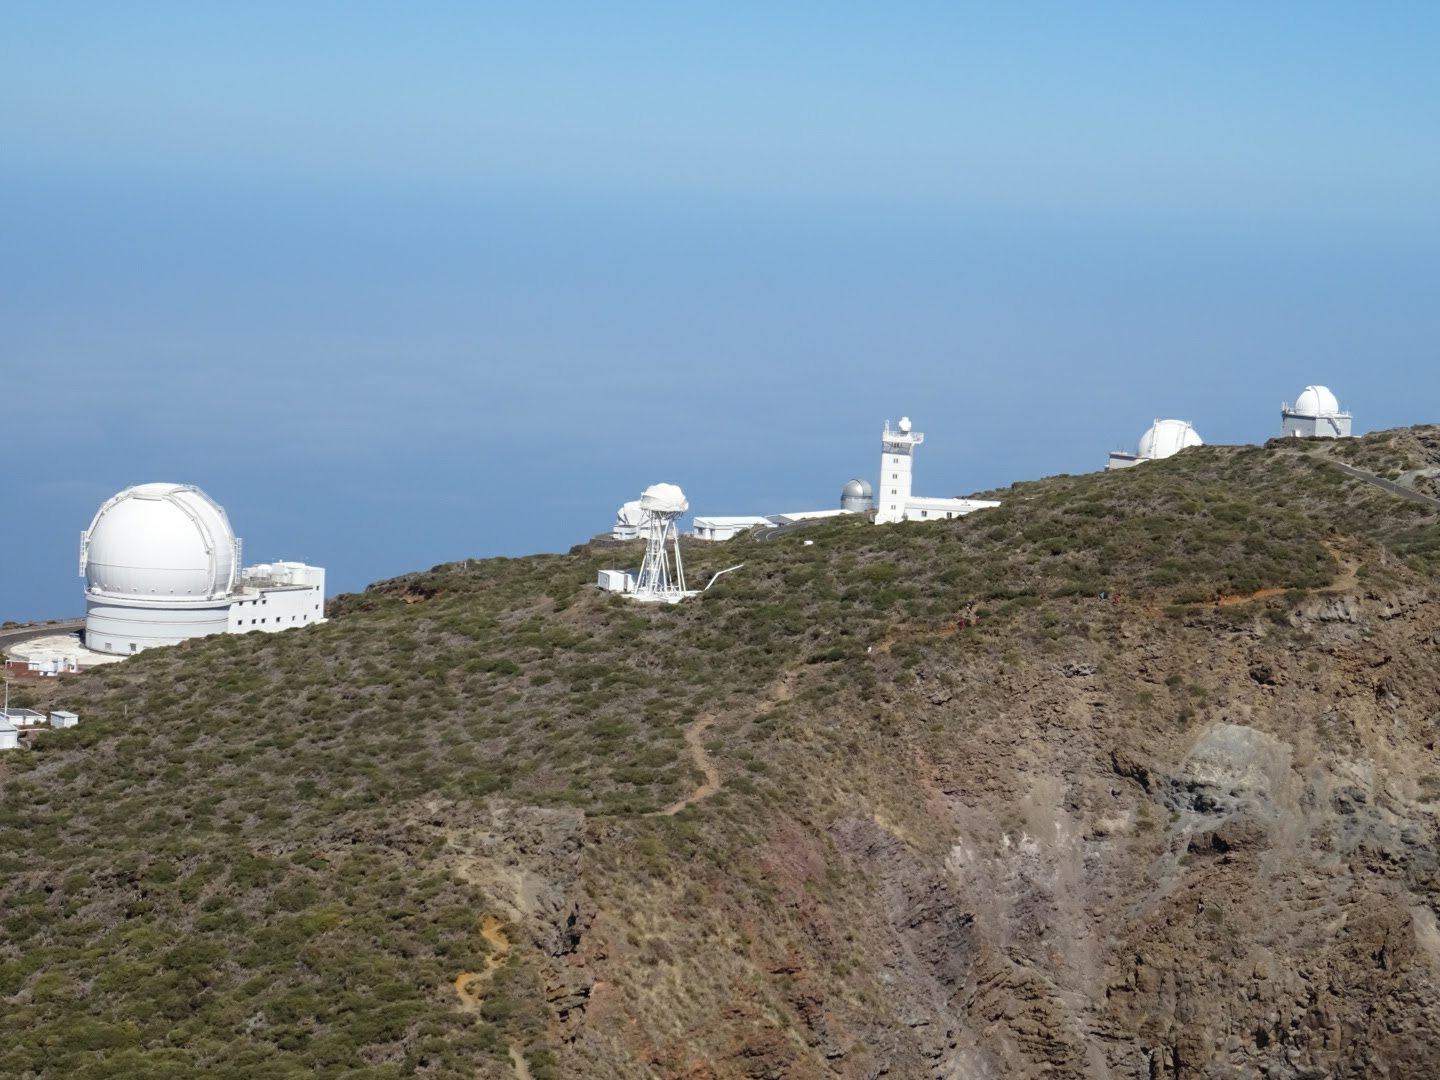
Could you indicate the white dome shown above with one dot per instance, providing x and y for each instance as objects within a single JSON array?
[
  {"x": 629, "y": 514},
  {"x": 663, "y": 499},
  {"x": 1317, "y": 401},
  {"x": 1166, "y": 437},
  {"x": 857, "y": 489},
  {"x": 169, "y": 542}
]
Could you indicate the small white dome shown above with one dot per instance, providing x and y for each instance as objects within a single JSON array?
[
  {"x": 1317, "y": 401},
  {"x": 1166, "y": 437},
  {"x": 857, "y": 489},
  {"x": 167, "y": 542},
  {"x": 905, "y": 425},
  {"x": 664, "y": 499}
]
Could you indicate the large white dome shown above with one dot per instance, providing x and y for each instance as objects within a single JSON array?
[
  {"x": 1317, "y": 401},
  {"x": 163, "y": 542},
  {"x": 1166, "y": 437},
  {"x": 663, "y": 499}
]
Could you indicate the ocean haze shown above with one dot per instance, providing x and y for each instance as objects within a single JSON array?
[{"x": 459, "y": 288}]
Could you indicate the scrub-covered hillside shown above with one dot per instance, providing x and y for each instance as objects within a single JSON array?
[{"x": 910, "y": 800}]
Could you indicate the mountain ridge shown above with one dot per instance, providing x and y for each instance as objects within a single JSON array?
[{"x": 966, "y": 817}]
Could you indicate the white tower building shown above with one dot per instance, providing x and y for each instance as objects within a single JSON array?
[
  {"x": 162, "y": 564},
  {"x": 1162, "y": 439},
  {"x": 1316, "y": 414},
  {"x": 897, "y": 451},
  {"x": 897, "y": 502}
]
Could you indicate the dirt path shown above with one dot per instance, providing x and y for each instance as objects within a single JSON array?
[
  {"x": 1349, "y": 579},
  {"x": 695, "y": 740},
  {"x": 468, "y": 984},
  {"x": 1258, "y": 594}
]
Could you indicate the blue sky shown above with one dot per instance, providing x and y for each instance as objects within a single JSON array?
[{"x": 399, "y": 284}]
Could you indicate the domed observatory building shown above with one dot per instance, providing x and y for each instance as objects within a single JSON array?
[
  {"x": 857, "y": 497},
  {"x": 162, "y": 564},
  {"x": 1164, "y": 438},
  {"x": 1316, "y": 414}
]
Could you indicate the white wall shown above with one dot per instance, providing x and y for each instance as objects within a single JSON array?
[
  {"x": 897, "y": 452},
  {"x": 926, "y": 509},
  {"x": 112, "y": 626},
  {"x": 1322, "y": 427},
  {"x": 281, "y": 608}
]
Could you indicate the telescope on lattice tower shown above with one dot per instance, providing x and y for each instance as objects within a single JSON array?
[{"x": 662, "y": 506}]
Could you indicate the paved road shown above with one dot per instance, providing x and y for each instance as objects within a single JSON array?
[
  {"x": 34, "y": 630},
  {"x": 1388, "y": 485},
  {"x": 774, "y": 532}
]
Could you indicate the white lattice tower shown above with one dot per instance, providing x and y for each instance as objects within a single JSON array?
[{"x": 663, "y": 504}]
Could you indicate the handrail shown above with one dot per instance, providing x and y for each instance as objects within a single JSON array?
[{"x": 716, "y": 578}]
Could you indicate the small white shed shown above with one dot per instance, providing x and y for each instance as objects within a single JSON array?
[
  {"x": 9, "y": 737},
  {"x": 616, "y": 581},
  {"x": 60, "y": 718}
]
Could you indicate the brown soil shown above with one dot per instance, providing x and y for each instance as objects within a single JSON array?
[{"x": 694, "y": 739}]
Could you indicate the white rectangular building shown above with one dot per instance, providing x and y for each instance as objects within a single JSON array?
[
  {"x": 9, "y": 737},
  {"x": 62, "y": 719},
  {"x": 895, "y": 502},
  {"x": 616, "y": 581},
  {"x": 804, "y": 515},
  {"x": 723, "y": 528},
  {"x": 21, "y": 718},
  {"x": 278, "y": 596}
]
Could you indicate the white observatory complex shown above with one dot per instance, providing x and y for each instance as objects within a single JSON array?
[
  {"x": 896, "y": 503},
  {"x": 162, "y": 564},
  {"x": 1316, "y": 414},
  {"x": 1163, "y": 438}
]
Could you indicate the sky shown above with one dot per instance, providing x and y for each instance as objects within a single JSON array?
[{"x": 403, "y": 284}]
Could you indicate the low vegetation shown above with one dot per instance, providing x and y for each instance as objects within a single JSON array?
[{"x": 226, "y": 870}]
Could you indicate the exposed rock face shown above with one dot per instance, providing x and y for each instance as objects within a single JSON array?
[{"x": 1070, "y": 879}]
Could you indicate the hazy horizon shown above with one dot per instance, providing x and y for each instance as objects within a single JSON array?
[{"x": 398, "y": 291}]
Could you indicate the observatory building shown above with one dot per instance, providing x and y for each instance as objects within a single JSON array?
[
  {"x": 857, "y": 497},
  {"x": 1162, "y": 439},
  {"x": 162, "y": 564},
  {"x": 897, "y": 454},
  {"x": 1315, "y": 415},
  {"x": 629, "y": 520}
]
